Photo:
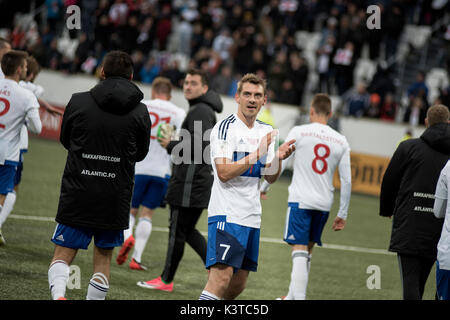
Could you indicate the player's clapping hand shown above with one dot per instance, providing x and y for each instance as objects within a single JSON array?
[
  {"x": 286, "y": 149},
  {"x": 264, "y": 196},
  {"x": 266, "y": 141},
  {"x": 338, "y": 224}
]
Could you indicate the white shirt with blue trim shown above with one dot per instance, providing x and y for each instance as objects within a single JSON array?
[
  {"x": 17, "y": 107},
  {"x": 157, "y": 161},
  {"x": 238, "y": 198}
]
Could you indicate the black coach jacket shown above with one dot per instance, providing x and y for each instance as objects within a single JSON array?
[
  {"x": 407, "y": 192},
  {"x": 191, "y": 182},
  {"x": 106, "y": 131}
]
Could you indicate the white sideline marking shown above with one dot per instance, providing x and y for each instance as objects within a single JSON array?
[{"x": 263, "y": 239}]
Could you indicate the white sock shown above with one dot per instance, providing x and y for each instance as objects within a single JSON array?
[
  {"x": 128, "y": 232},
  {"x": 58, "y": 275},
  {"x": 8, "y": 205},
  {"x": 290, "y": 295},
  {"x": 143, "y": 231},
  {"x": 208, "y": 296},
  {"x": 98, "y": 287},
  {"x": 299, "y": 275}
]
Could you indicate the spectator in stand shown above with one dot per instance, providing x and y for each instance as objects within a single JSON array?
[
  {"x": 324, "y": 54},
  {"x": 222, "y": 44},
  {"x": 146, "y": 35},
  {"x": 375, "y": 37},
  {"x": 257, "y": 62},
  {"x": 277, "y": 72},
  {"x": 382, "y": 81},
  {"x": 103, "y": 31},
  {"x": 418, "y": 86},
  {"x": 150, "y": 70},
  {"x": 164, "y": 27},
  {"x": 373, "y": 110},
  {"x": 329, "y": 30},
  {"x": 81, "y": 53},
  {"x": 54, "y": 14},
  {"x": 444, "y": 97},
  {"x": 53, "y": 56},
  {"x": 138, "y": 59},
  {"x": 417, "y": 110},
  {"x": 118, "y": 13},
  {"x": 130, "y": 33},
  {"x": 183, "y": 33},
  {"x": 171, "y": 70},
  {"x": 389, "y": 108},
  {"x": 221, "y": 82},
  {"x": 393, "y": 25},
  {"x": 356, "y": 102},
  {"x": 298, "y": 74},
  {"x": 288, "y": 94},
  {"x": 344, "y": 66}
]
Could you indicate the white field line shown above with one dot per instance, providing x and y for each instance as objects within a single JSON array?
[{"x": 263, "y": 239}]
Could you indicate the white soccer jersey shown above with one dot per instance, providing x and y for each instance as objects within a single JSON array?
[
  {"x": 319, "y": 150},
  {"x": 35, "y": 88},
  {"x": 157, "y": 161},
  {"x": 238, "y": 198},
  {"x": 17, "y": 106},
  {"x": 37, "y": 91},
  {"x": 441, "y": 210}
]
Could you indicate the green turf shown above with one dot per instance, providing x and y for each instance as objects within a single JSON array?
[{"x": 335, "y": 274}]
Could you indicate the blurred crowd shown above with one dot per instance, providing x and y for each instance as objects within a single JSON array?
[{"x": 229, "y": 38}]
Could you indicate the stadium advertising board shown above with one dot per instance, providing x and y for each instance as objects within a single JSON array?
[
  {"x": 367, "y": 173},
  {"x": 51, "y": 124}
]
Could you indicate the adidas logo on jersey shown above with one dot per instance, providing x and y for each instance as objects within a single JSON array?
[
  {"x": 60, "y": 238},
  {"x": 291, "y": 237},
  {"x": 241, "y": 141}
]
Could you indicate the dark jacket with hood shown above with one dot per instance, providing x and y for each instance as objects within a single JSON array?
[
  {"x": 106, "y": 131},
  {"x": 407, "y": 192},
  {"x": 192, "y": 178}
]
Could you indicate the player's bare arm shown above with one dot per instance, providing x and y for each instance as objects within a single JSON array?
[{"x": 49, "y": 108}]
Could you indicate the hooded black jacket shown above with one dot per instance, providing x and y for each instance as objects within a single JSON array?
[
  {"x": 407, "y": 192},
  {"x": 106, "y": 131},
  {"x": 190, "y": 183}
]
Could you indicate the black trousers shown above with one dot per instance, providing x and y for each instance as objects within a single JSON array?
[
  {"x": 181, "y": 230},
  {"x": 414, "y": 272}
]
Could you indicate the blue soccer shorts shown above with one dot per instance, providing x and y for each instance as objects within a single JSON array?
[
  {"x": 232, "y": 244},
  {"x": 18, "y": 175},
  {"x": 80, "y": 238},
  {"x": 7, "y": 174},
  {"x": 149, "y": 191},
  {"x": 442, "y": 283},
  {"x": 304, "y": 225}
]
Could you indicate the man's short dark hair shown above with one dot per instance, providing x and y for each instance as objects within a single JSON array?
[
  {"x": 322, "y": 104},
  {"x": 201, "y": 73},
  {"x": 118, "y": 64},
  {"x": 253, "y": 79},
  {"x": 437, "y": 114},
  {"x": 33, "y": 67},
  {"x": 13, "y": 60}
]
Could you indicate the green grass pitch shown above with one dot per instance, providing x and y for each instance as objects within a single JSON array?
[{"x": 336, "y": 273}]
